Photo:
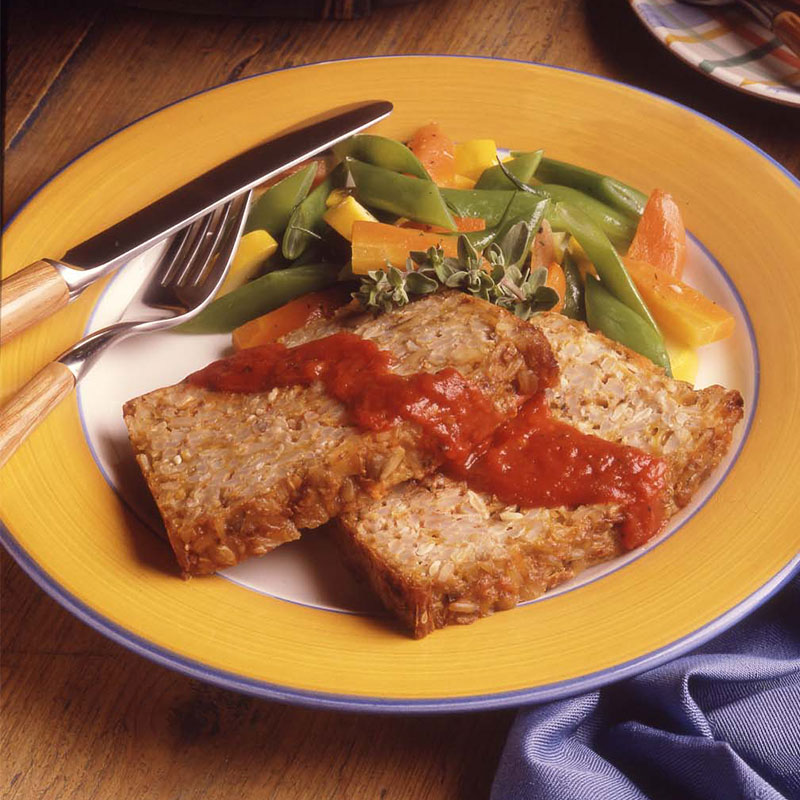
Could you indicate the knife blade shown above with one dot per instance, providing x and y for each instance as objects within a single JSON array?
[
  {"x": 149, "y": 225},
  {"x": 42, "y": 288}
]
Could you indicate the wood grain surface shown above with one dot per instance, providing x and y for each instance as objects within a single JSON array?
[{"x": 84, "y": 718}]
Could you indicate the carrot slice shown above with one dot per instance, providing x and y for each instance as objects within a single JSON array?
[
  {"x": 435, "y": 149},
  {"x": 463, "y": 225},
  {"x": 469, "y": 224},
  {"x": 660, "y": 237},
  {"x": 543, "y": 250},
  {"x": 376, "y": 245},
  {"x": 270, "y": 327},
  {"x": 558, "y": 281},
  {"x": 680, "y": 310}
]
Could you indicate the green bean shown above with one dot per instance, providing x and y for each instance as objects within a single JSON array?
[
  {"x": 272, "y": 210},
  {"x": 260, "y": 296},
  {"x": 618, "y": 227},
  {"x": 498, "y": 208},
  {"x": 382, "y": 152},
  {"x": 574, "y": 301},
  {"x": 489, "y": 205},
  {"x": 522, "y": 167},
  {"x": 305, "y": 224},
  {"x": 318, "y": 252},
  {"x": 608, "y": 315},
  {"x": 522, "y": 210},
  {"x": 606, "y": 261},
  {"x": 399, "y": 194},
  {"x": 618, "y": 195},
  {"x": 615, "y": 280}
]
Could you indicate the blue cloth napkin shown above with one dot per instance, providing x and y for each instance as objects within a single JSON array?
[{"x": 722, "y": 723}]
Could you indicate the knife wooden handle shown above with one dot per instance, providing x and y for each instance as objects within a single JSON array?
[
  {"x": 787, "y": 28},
  {"x": 31, "y": 404},
  {"x": 28, "y": 296}
]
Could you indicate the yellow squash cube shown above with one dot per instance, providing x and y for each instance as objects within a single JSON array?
[
  {"x": 683, "y": 360},
  {"x": 254, "y": 249},
  {"x": 474, "y": 156},
  {"x": 342, "y": 217},
  {"x": 462, "y": 182},
  {"x": 681, "y": 311},
  {"x": 335, "y": 197}
]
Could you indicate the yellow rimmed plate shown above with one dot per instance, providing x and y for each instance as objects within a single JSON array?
[{"x": 69, "y": 529}]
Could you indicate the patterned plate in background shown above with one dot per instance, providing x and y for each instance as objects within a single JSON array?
[{"x": 726, "y": 44}]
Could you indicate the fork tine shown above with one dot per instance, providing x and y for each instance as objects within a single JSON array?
[
  {"x": 209, "y": 279},
  {"x": 158, "y": 289},
  {"x": 205, "y": 253},
  {"x": 190, "y": 242},
  {"x": 173, "y": 253},
  {"x": 198, "y": 262}
]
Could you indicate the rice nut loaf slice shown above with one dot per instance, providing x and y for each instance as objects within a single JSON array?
[
  {"x": 236, "y": 474},
  {"x": 438, "y": 553}
]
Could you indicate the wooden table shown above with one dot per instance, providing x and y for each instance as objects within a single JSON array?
[{"x": 84, "y": 718}]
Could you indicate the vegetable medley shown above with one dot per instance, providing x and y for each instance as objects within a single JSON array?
[{"x": 383, "y": 221}]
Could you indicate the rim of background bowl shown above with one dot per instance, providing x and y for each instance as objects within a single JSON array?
[{"x": 684, "y": 53}]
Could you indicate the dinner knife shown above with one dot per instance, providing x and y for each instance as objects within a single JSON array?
[{"x": 42, "y": 288}]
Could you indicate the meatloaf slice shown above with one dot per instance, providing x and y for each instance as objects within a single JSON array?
[
  {"x": 438, "y": 553},
  {"x": 236, "y": 475}
]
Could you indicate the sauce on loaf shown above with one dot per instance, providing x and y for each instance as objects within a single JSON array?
[{"x": 530, "y": 459}]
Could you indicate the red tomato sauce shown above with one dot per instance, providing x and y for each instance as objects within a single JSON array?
[
  {"x": 454, "y": 415},
  {"x": 530, "y": 459},
  {"x": 536, "y": 461}
]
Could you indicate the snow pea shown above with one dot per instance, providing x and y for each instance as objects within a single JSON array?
[
  {"x": 608, "y": 315},
  {"x": 490, "y": 205},
  {"x": 305, "y": 224},
  {"x": 574, "y": 305},
  {"x": 602, "y": 254},
  {"x": 272, "y": 210},
  {"x": 617, "y": 226},
  {"x": 380, "y": 188},
  {"x": 382, "y": 152},
  {"x": 523, "y": 167},
  {"x": 260, "y": 296},
  {"x": 522, "y": 211},
  {"x": 618, "y": 195}
]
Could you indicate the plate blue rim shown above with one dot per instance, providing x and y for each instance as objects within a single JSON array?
[{"x": 409, "y": 706}]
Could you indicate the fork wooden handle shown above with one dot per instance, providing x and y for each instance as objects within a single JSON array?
[
  {"x": 29, "y": 296},
  {"x": 31, "y": 404}
]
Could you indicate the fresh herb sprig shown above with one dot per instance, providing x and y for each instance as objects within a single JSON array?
[{"x": 508, "y": 282}]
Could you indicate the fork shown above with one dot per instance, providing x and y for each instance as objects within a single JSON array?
[{"x": 181, "y": 285}]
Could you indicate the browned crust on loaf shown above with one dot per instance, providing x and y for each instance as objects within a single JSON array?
[
  {"x": 506, "y": 569},
  {"x": 691, "y": 468},
  {"x": 235, "y": 475}
]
